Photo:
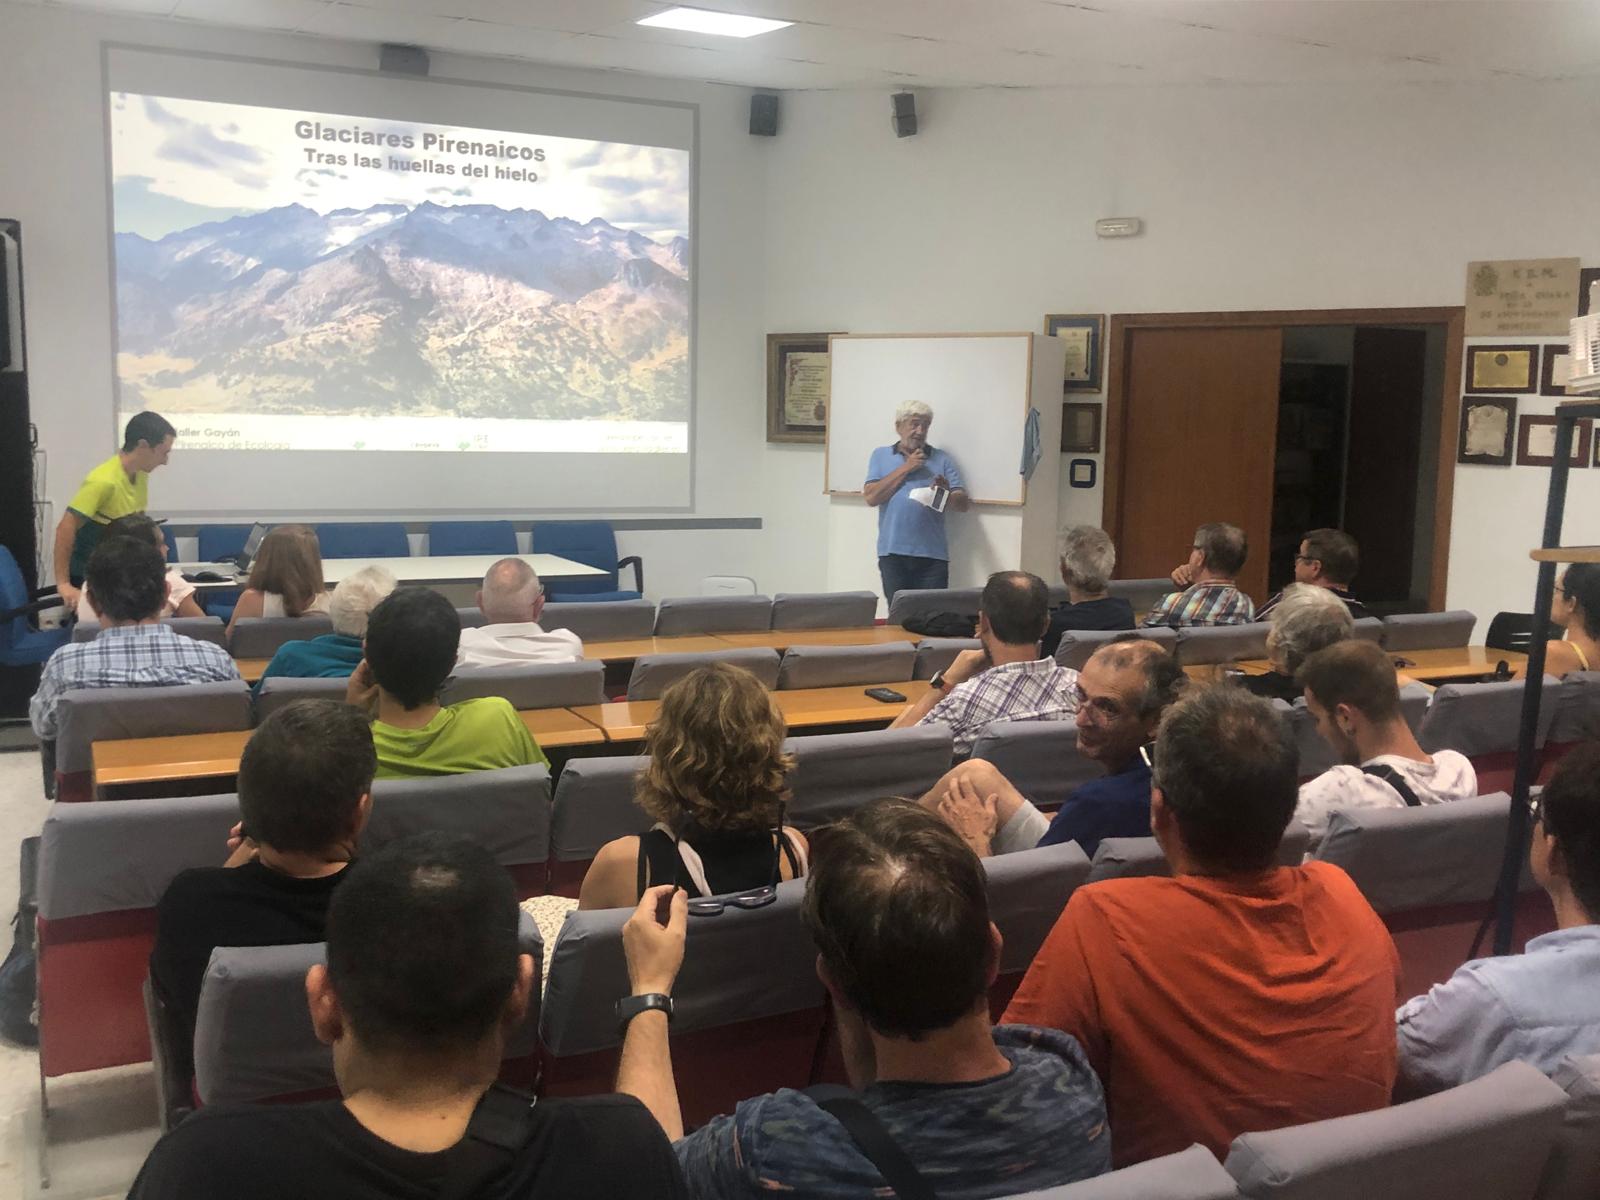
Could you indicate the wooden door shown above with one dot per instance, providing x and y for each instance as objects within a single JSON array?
[
  {"x": 1386, "y": 402},
  {"x": 1197, "y": 432}
]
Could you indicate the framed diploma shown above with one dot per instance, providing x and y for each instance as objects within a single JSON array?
[
  {"x": 1536, "y": 442},
  {"x": 797, "y": 387},
  {"x": 1505, "y": 369},
  {"x": 1557, "y": 370},
  {"x": 1080, "y": 428},
  {"x": 1488, "y": 428},
  {"x": 1084, "y": 334}
]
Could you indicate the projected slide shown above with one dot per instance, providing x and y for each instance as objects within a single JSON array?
[{"x": 312, "y": 281}]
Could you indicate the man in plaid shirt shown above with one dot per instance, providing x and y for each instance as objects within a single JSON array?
[
  {"x": 128, "y": 584},
  {"x": 1006, "y": 680},
  {"x": 1209, "y": 596}
]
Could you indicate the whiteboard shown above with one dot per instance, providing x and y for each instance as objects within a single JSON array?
[{"x": 976, "y": 384}]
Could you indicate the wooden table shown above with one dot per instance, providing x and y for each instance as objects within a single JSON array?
[
  {"x": 625, "y": 720},
  {"x": 781, "y": 639},
  {"x": 1429, "y": 666},
  {"x": 627, "y": 649},
  {"x": 414, "y": 568},
  {"x": 251, "y": 669}
]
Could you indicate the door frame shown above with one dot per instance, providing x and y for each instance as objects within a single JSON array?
[{"x": 1453, "y": 320}]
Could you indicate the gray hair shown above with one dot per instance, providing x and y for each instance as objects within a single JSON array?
[
  {"x": 1164, "y": 679},
  {"x": 510, "y": 590},
  {"x": 356, "y": 595},
  {"x": 1308, "y": 618},
  {"x": 1087, "y": 557},
  {"x": 912, "y": 408}
]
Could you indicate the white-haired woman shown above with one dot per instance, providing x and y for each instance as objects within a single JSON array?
[
  {"x": 912, "y": 549},
  {"x": 335, "y": 655},
  {"x": 1306, "y": 619},
  {"x": 1087, "y": 559}
]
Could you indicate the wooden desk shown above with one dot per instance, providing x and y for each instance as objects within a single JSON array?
[
  {"x": 1427, "y": 666},
  {"x": 627, "y": 649},
  {"x": 417, "y": 568},
  {"x": 555, "y": 728},
  {"x": 625, "y": 720},
  {"x": 781, "y": 639},
  {"x": 250, "y": 669}
]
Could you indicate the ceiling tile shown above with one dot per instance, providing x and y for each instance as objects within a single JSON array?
[{"x": 253, "y": 14}]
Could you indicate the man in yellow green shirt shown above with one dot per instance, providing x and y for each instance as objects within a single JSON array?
[{"x": 116, "y": 488}]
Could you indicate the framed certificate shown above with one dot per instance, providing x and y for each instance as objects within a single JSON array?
[
  {"x": 1488, "y": 429},
  {"x": 1536, "y": 442},
  {"x": 1084, "y": 334},
  {"x": 1502, "y": 369},
  {"x": 797, "y": 387}
]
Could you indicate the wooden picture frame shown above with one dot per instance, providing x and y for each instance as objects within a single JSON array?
[
  {"x": 1547, "y": 366},
  {"x": 1529, "y": 422},
  {"x": 1085, "y": 335},
  {"x": 797, "y": 401},
  {"x": 1488, "y": 431},
  {"x": 1502, "y": 370},
  {"x": 1080, "y": 427}
]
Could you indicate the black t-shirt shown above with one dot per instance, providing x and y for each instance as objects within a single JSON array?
[
  {"x": 1109, "y": 612},
  {"x": 1273, "y": 685},
  {"x": 249, "y": 905},
  {"x": 606, "y": 1147}
]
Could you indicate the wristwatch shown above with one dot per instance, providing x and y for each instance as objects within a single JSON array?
[
  {"x": 937, "y": 682},
  {"x": 630, "y": 1007}
]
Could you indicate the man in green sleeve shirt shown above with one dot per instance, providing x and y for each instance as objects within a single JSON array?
[
  {"x": 117, "y": 487},
  {"x": 411, "y": 643}
]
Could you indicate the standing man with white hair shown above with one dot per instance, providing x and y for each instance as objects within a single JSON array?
[
  {"x": 912, "y": 550},
  {"x": 511, "y": 600}
]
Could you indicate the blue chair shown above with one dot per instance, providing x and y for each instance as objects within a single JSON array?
[
  {"x": 219, "y": 542},
  {"x": 471, "y": 537},
  {"x": 594, "y": 544},
  {"x": 376, "y": 539},
  {"x": 172, "y": 543},
  {"x": 22, "y": 643}
]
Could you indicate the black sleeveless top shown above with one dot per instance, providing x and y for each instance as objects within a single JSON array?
[{"x": 734, "y": 861}]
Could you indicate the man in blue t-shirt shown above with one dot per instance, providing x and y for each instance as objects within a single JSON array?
[{"x": 901, "y": 481}]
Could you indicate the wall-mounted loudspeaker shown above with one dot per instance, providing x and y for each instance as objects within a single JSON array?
[
  {"x": 402, "y": 60},
  {"x": 764, "y": 115},
  {"x": 905, "y": 114}
]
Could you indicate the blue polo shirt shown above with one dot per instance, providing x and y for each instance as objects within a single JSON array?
[
  {"x": 1112, "y": 806},
  {"x": 904, "y": 526}
]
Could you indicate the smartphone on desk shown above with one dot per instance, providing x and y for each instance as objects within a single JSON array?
[{"x": 887, "y": 695}]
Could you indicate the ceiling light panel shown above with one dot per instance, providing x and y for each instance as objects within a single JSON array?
[{"x": 720, "y": 24}]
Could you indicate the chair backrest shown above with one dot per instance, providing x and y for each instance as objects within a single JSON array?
[
  {"x": 471, "y": 618},
  {"x": 1574, "y": 1167},
  {"x": 592, "y": 543},
  {"x": 1316, "y": 756},
  {"x": 840, "y": 666},
  {"x": 1027, "y": 891},
  {"x": 1577, "y": 715},
  {"x": 1078, "y": 645},
  {"x": 102, "y": 868},
  {"x": 601, "y": 620},
  {"x": 1039, "y": 758},
  {"x": 935, "y": 654},
  {"x": 835, "y": 773},
  {"x": 713, "y": 614},
  {"x": 654, "y": 673},
  {"x": 1428, "y": 631},
  {"x": 447, "y": 538},
  {"x": 201, "y": 629},
  {"x": 363, "y": 539},
  {"x": 260, "y": 637},
  {"x": 913, "y": 603},
  {"x": 536, "y": 685},
  {"x": 280, "y": 690},
  {"x": 1514, "y": 631},
  {"x": 1142, "y": 594},
  {"x": 253, "y": 1039},
  {"x": 823, "y": 610},
  {"x": 89, "y": 715},
  {"x": 1192, "y": 1174},
  {"x": 13, "y": 594},
  {"x": 1483, "y": 718},
  {"x": 1133, "y": 858},
  {"x": 1222, "y": 643},
  {"x": 1368, "y": 629},
  {"x": 1488, "y": 1139},
  {"x": 594, "y": 805},
  {"x": 217, "y": 543}
]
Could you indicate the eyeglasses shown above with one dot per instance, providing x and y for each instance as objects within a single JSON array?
[
  {"x": 1306, "y": 558},
  {"x": 1109, "y": 709}
]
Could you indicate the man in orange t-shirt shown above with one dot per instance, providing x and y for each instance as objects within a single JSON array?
[{"x": 1238, "y": 996}]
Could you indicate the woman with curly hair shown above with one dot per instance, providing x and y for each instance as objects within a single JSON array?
[
  {"x": 716, "y": 784},
  {"x": 285, "y": 577}
]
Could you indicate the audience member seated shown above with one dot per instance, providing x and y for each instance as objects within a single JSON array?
[
  {"x": 1006, "y": 680},
  {"x": 1122, "y": 692},
  {"x": 716, "y": 784},
  {"x": 905, "y": 947},
  {"x": 127, "y": 577},
  {"x": 1087, "y": 559},
  {"x": 511, "y": 600},
  {"x": 1327, "y": 558},
  {"x": 1209, "y": 595},
  {"x": 180, "y": 592},
  {"x": 1236, "y": 995},
  {"x": 335, "y": 655},
  {"x": 424, "y": 983},
  {"x": 1541, "y": 1005},
  {"x": 1305, "y": 619},
  {"x": 1575, "y": 606},
  {"x": 285, "y": 577},
  {"x": 410, "y": 652},
  {"x": 304, "y": 783},
  {"x": 1354, "y": 694}
]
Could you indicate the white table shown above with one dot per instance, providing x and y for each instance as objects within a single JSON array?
[{"x": 456, "y": 568}]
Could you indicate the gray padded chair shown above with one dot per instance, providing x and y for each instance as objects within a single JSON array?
[
  {"x": 1316, "y": 756},
  {"x": 679, "y": 615},
  {"x": 1428, "y": 631},
  {"x": 1482, "y": 718},
  {"x": 842, "y": 666},
  {"x": 835, "y": 773},
  {"x": 593, "y": 805},
  {"x": 1134, "y": 858},
  {"x": 1573, "y": 1172},
  {"x": 1039, "y": 758},
  {"x": 472, "y": 618},
  {"x": 913, "y": 603},
  {"x": 602, "y": 621},
  {"x": 202, "y": 629},
  {"x": 1078, "y": 645},
  {"x": 1577, "y": 715},
  {"x": 260, "y": 637},
  {"x": 935, "y": 654},
  {"x": 1369, "y": 629},
  {"x": 654, "y": 673},
  {"x": 824, "y": 610},
  {"x": 1488, "y": 1139},
  {"x": 253, "y": 1039},
  {"x": 537, "y": 685},
  {"x": 1027, "y": 891},
  {"x": 1192, "y": 1174},
  {"x": 280, "y": 690},
  {"x": 1141, "y": 593},
  {"x": 1199, "y": 644}
]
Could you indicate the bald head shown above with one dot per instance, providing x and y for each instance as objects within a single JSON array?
[{"x": 511, "y": 593}]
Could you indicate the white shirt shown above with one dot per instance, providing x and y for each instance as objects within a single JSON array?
[
  {"x": 1448, "y": 777},
  {"x": 179, "y": 589},
  {"x": 272, "y": 605},
  {"x": 515, "y": 644}
]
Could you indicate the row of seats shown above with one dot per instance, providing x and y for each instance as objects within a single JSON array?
[{"x": 1205, "y": 644}]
